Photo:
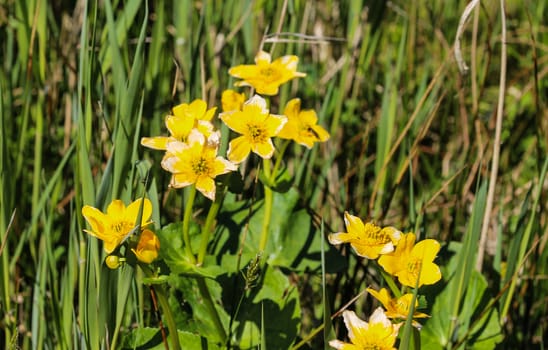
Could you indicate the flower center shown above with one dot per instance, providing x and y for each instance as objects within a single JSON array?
[
  {"x": 374, "y": 235},
  {"x": 257, "y": 133},
  {"x": 371, "y": 347},
  {"x": 269, "y": 73},
  {"x": 414, "y": 267},
  {"x": 200, "y": 166},
  {"x": 122, "y": 228}
]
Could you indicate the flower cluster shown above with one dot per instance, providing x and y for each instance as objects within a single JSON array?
[
  {"x": 398, "y": 254},
  {"x": 118, "y": 225}
]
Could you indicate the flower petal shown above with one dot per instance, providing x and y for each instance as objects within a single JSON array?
[
  {"x": 238, "y": 150},
  {"x": 264, "y": 149}
]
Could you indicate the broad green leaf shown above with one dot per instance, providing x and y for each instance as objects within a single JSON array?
[
  {"x": 477, "y": 327},
  {"x": 151, "y": 339}
]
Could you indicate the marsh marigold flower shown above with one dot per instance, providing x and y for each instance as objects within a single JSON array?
[
  {"x": 195, "y": 163},
  {"x": 379, "y": 333},
  {"x": 256, "y": 126},
  {"x": 148, "y": 247},
  {"x": 232, "y": 100},
  {"x": 184, "y": 119},
  {"x": 117, "y": 223},
  {"x": 266, "y": 76},
  {"x": 368, "y": 240},
  {"x": 301, "y": 126},
  {"x": 413, "y": 263},
  {"x": 397, "y": 308}
]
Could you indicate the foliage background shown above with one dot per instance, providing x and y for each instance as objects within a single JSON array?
[{"x": 411, "y": 139}]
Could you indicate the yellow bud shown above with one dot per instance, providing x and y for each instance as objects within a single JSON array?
[{"x": 113, "y": 262}]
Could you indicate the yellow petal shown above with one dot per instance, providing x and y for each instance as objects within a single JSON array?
[
  {"x": 275, "y": 123},
  {"x": 158, "y": 143},
  {"x": 116, "y": 209},
  {"x": 426, "y": 249},
  {"x": 95, "y": 218},
  {"x": 206, "y": 186},
  {"x": 354, "y": 224},
  {"x": 179, "y": 127},
  {"x": 181, "y": 180},
  {"x": 264, "y": 149},
  {"x": 238, "y": 150},
  {"x": 132, "y": 211},
  {"x": 339, "y": 238}
]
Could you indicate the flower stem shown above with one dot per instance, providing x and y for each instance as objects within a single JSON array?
[
  {"x": 268, "y": 198},
  {"x": 208, "y": 300},
  {"x": 186, "y": 223},
  {"x": 279, "y": 158},
  {"x": 164, "y": 304},
  {"x": 206, "y": 230}
]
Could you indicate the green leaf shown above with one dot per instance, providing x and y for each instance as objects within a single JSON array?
[
  {"x": 172, "y": 252},
  {"x": 275, "y": 301},
  {"x": 477, "y": 323},
  {"x": 151, "y": 339},
  {"x": 294, "y": 242}
]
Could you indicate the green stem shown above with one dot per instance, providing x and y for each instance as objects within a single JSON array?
[
  {"x": 268, "y": 197},
  {"x": 208, "y": 300},
  {"x": 206, "y": 230},
  {"x": 186, "y": 223},
  {"x": 279, "y": 158},
  {"x": 164, "y": 304}
]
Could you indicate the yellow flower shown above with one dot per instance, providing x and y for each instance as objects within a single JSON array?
[
  {"x": 148, "y": 247},
  {"x": 301, "y": 126},
  {"x": 266, "y": 76},
  {"x": 379, "y": 333},
  {"x": 195, "y": 162},
  {"x": 412, "y": 263},
  {"x": 368, "y": 240},
  {"x": 256, "y": 126},
  {"x": 232, "y": 101},
  {"x": 184, "y": 119},
  {"x": 118, "y": 222},
  {"x": 397, "y": 308}
]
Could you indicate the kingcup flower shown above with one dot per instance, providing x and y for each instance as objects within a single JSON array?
[
  {"x": 379, "y": 333},
  {"x": 184, "y": 119},
  {"x": 266, "y": 76},
  {"x": 413, "y": 263},
  {"x": 301, "y": 126},
  {"x": 148, "y": 247},
  {"x": 232, "y": 100},
  {"x": 117, "y": 223},
  {"x": 196, "y": 163},
  {"x": 368, "y": 240},
  {"x": 397, "y": 308},
  {"x": 256, "y": 126}
]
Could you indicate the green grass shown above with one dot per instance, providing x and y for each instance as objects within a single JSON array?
[{"x": 411, "y": 146}]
